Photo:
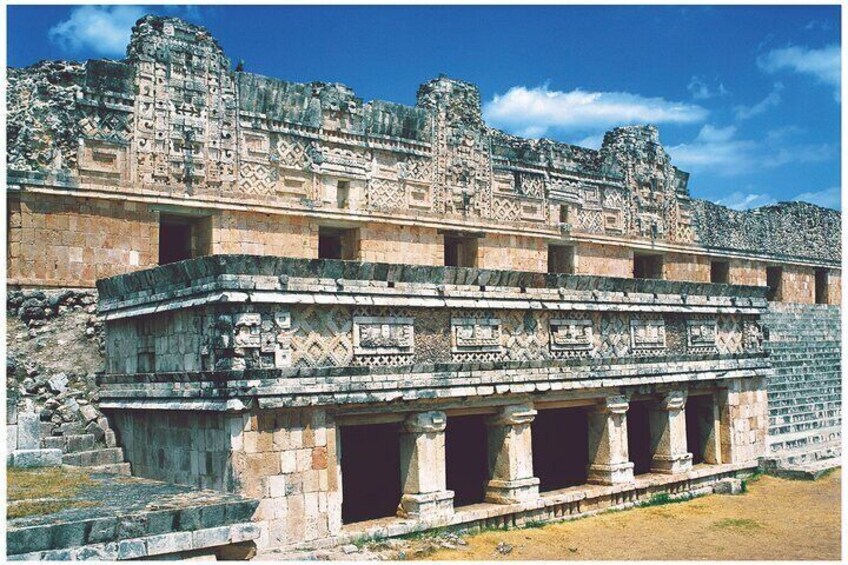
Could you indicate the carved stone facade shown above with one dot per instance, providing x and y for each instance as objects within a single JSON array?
[
  {"x": 450, "y": 309},
  {"x": 173, "y": 121},
  {"x": 290, "y": 364}
]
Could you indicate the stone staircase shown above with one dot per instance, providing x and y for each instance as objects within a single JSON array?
[
  {"x": 81, "y": 450},
  {"x": 805, "y": 409}
]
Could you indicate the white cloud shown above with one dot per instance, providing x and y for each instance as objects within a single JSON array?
[
  {"x": 746, "y": 200},
  {"x": 829, "y": 197},
  {"x": 701, "y": 90},
  {"x": 823, "y": 64},
  {"x": 751, "y": 198},
  {"x": 715, "y": 149},
  {"x": 771, "y": 101},
  {"x": 101, "y": 30},
  {"x": 534, "y": 112},
  {"x": 718, "y": 151}
]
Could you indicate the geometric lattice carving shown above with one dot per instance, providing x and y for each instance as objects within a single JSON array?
[
  {"x": 506, "y": 209},
  {"x": 729, "y": 334},
  {"x": 615, "y": 335},
  {"x": 256, "y": 178},
  {"x": 386, "y": 195},
  {"x": 591, "y": 221},
  {"x": 321, "y": 337},
  {"x": 524, "y": 335},
  {"x": 292, "y": 152}
]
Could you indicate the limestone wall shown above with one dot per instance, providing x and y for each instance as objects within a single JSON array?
[
  {"x": 413, "y": 245},
  {"x": 805, "y": 408},
  {"x": 187, "y": 448},
  {"x": 264, "y": 234},
  {"x": 71, "y": 242},
  {"x": 611, "y": 260}
]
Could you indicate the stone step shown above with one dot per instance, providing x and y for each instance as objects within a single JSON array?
[
  {"x": 108, "y": 456},
  {"x": 806, "y": 471},
  {"x": 112, "y": 468}
]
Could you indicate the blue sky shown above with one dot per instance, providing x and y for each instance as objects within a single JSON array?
[{"x": 746, "y": 98}]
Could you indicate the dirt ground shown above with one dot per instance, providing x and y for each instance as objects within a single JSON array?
[{"x": 777, "y": 519}]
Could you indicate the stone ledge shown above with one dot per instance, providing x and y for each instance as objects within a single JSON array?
[
  {"x": 564, "y": 504},
  {"x": 118, "y": 509},
  {"x": 186, "y": 274},
  {"x": 480, "y": 384},
  {"x": 150, "y": 546}
]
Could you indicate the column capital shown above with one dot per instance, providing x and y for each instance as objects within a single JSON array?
[
  {"x": 614, "y": 405},
  {"x": 673, "y": 401},
  {"x": 434, "y": 421},
  {"x": 513, "y": 415}
]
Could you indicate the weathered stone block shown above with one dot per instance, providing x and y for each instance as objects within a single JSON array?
[
  {"x": 29, "y": 431},
  {"x": 728, "y": 485},
  {"x": 29, "y": 458},
  {"x": 169, "y": 543}
]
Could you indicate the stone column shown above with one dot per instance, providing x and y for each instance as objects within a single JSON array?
[
  {"x": 668, "y": 435},
  {"x": 511, "y": 456},
  {"x": 422, "y": 467},
  {"x": 609, "y": 462}
]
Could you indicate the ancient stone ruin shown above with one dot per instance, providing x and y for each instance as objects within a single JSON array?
[{"x": 376, "y": 319}]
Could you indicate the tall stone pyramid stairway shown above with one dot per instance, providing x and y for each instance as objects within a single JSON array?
[
  {"x": 805, "y": 410},
  {"x": 81, "y": 450}
]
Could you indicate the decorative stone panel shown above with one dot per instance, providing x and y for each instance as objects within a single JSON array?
[
  {"x": 647, "y": 334},
  {"x": 701, "y": 335},
  {"x": 571, "y": 335},
  {"x": 383, "y": 336},
  {"x": 475, "y": 335}
]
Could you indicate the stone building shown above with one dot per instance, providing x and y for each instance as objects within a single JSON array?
[{"x": 378, "y": 318}]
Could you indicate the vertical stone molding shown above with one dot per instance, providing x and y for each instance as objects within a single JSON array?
[
  {"x": 668, "y": 435},
  {"x": 422, "y": 467},
  {"x": 609, "y": 461},
  {"x": 511, "y": 456}
]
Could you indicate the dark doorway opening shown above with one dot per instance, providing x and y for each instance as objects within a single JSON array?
[
  {"x": 336, "y": 243},
  {"x": 561, "y": 259},
  {"x": 370, "y": 463},
  {"x": 720, "y": 272},
  {"x": 774, "y": 277},
  {"x": 174, "y": 240},
  {"x": 821, "y": 286},
  {"x": 560, "y": 447},
  {"x": 639, "y": 437},
  {"x": 460, "y": 251},
  {"x": 647, "y": 266},
  {"x": 466, "y": 458},
  {"x": 700, "y": 429}
]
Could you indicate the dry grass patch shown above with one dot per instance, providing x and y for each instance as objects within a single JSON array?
[
  {"x": 777, "y": 519},
  {"x": 35, "y": 492}
]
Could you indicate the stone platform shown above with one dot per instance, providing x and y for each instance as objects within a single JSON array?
[{"x": 122, "y": 518}]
